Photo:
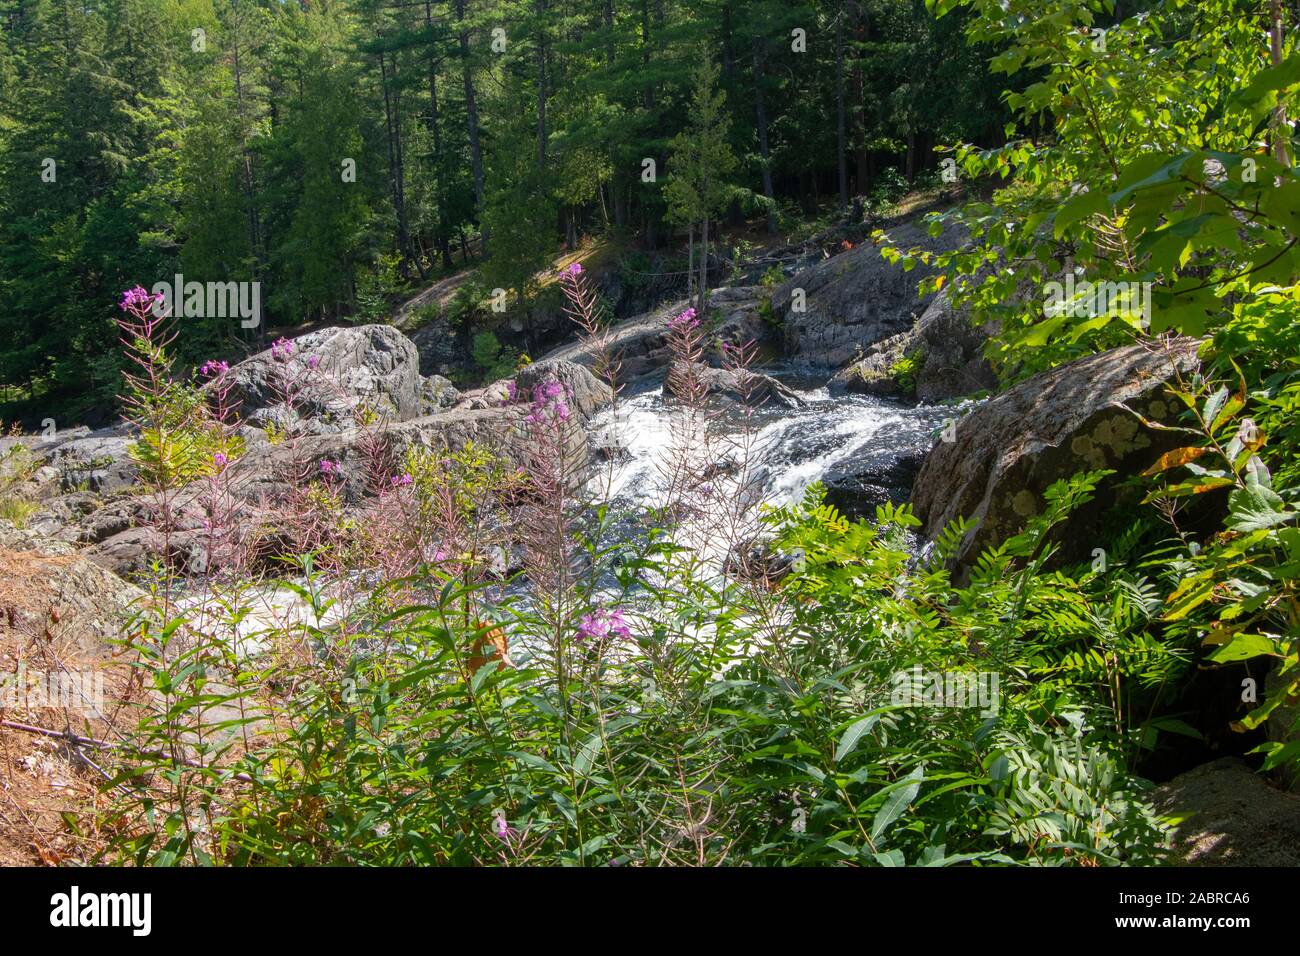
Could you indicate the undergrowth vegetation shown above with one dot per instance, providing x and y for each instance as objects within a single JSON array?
[
  {"x": 475, "y": 663},
  {"x": 630, "y": 701}
]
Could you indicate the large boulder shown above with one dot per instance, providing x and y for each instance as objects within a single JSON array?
[
  {"x": 640, "y": 344},
  {"x": 859, "y": 485},
  {"x": 49, "y": 590},
  {"x": 341, "y": 377},
  {"x": 69, "y": 460},
  {"x": 99, "y": 462},
  {"x": 941, "y": 358},
  {"x": 753, "y": 388},
  {"x": 438, "y": 348},
  {"x": 587, "y": 393},
  {"x": 738, "y": 316},
  {"x": 855, "y": 299},
  {"x": 1229, "y": 816},
  {"x": 741, "y": 316},
  {"x": 268, "y": 471},
  {"x": 436, "y": 394},
  {"x": 1053, "y": 425}
]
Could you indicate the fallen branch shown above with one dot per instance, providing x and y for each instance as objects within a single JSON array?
[{"x": 78, "y": 739}]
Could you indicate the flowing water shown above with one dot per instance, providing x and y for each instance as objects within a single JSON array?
[
  {"x": 853, "y": 440},
  {"x": 824, "y": 438}
]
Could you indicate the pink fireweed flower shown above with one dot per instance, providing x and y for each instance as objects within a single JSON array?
[
  {"x": 329, "y": 469},
  {"x": 501, "y": 827},
  {"x": 683, "y": 321},
  {"x": 602, "y": 623},
  {"x": 550, "y": 403},
  {"x": 401, "y": 481},
  {"x": 137, "y": 299},
  {"x": 575, "y": 269},
  {"x": 213, "y": 368},
  {"x": 281, "y": 349},
  {"x": 313, "y": 361},
  {"x": 220, "y": 460}
]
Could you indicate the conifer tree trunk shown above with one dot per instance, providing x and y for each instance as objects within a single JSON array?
[
  {"x": 393, "y": 119},
  {"x": 443, "y": 240},
  {"x": 841, "y": 144},
  {"x": 760, "y": 109},
  {"x": 704, "y": 268},
  {"x": 471, "y": 121},
  {"x": 541, "y": 91}
]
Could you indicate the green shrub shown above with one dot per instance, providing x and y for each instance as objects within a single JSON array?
[
  {"x": 708, "y": 737},
  {"x": 378, "y": 288},
  {"x": 466, "y": 303},
  {"x": 905, "y": 369},
  {"x": 17, "y": 510}
]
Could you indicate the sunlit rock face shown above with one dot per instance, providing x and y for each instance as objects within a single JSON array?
[{"x": 1009, "y": 450}]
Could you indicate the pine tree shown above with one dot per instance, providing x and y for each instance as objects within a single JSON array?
[{"x": 700, "y": 161}]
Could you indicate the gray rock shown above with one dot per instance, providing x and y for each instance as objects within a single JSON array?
[
  {"x": 436, "y": 394},
  {"x": 1051, "y": 426},
  {"x": 60, "y": 516},
  {"x": 73, "y": 459},
  {"x": 855, "y": 299},
  {"x": 640, "y": 344},
  {"x": 436, "y": 344},
  {"x": 945, "y": 352},
  {"x": 363, "y": 372},
  {"x": 745, "y": 320},
  {"x": 133, "y": 552},
  {"x": 754, "y": 388},
  {"x": 857, "y": 487},
  {"x": 587, "y": 394},
  {"x": 39, "y": 575},
  {"x": 1229, "y": 816}
]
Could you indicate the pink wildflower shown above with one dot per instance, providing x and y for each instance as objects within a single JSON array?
[
  {"x": 502, "y": 828},
  {"x": 602, "y": 623},
  {"x": 137, "y": 299},
  {"x": 550, "y": 402},
  {"x": 683, "y": 321},
  {"x": 281, "y": 349},
  {"x": 213, "y": 368}
]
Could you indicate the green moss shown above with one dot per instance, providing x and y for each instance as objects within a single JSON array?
[{"x": 904, "y": 371}]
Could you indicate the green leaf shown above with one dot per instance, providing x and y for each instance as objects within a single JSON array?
[
  {"x": 1243, "y": 647},
  {"x": 853, "y": 734},
  {"x": 1286, "y": 73},
  {"x": 899, "y": 800},
  {"x": 1254, "y": 508},
  {"x": 1079, "y": 207}
]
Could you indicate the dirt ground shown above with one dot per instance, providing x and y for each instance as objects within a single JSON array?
[{"x": 50, "y": 793}]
